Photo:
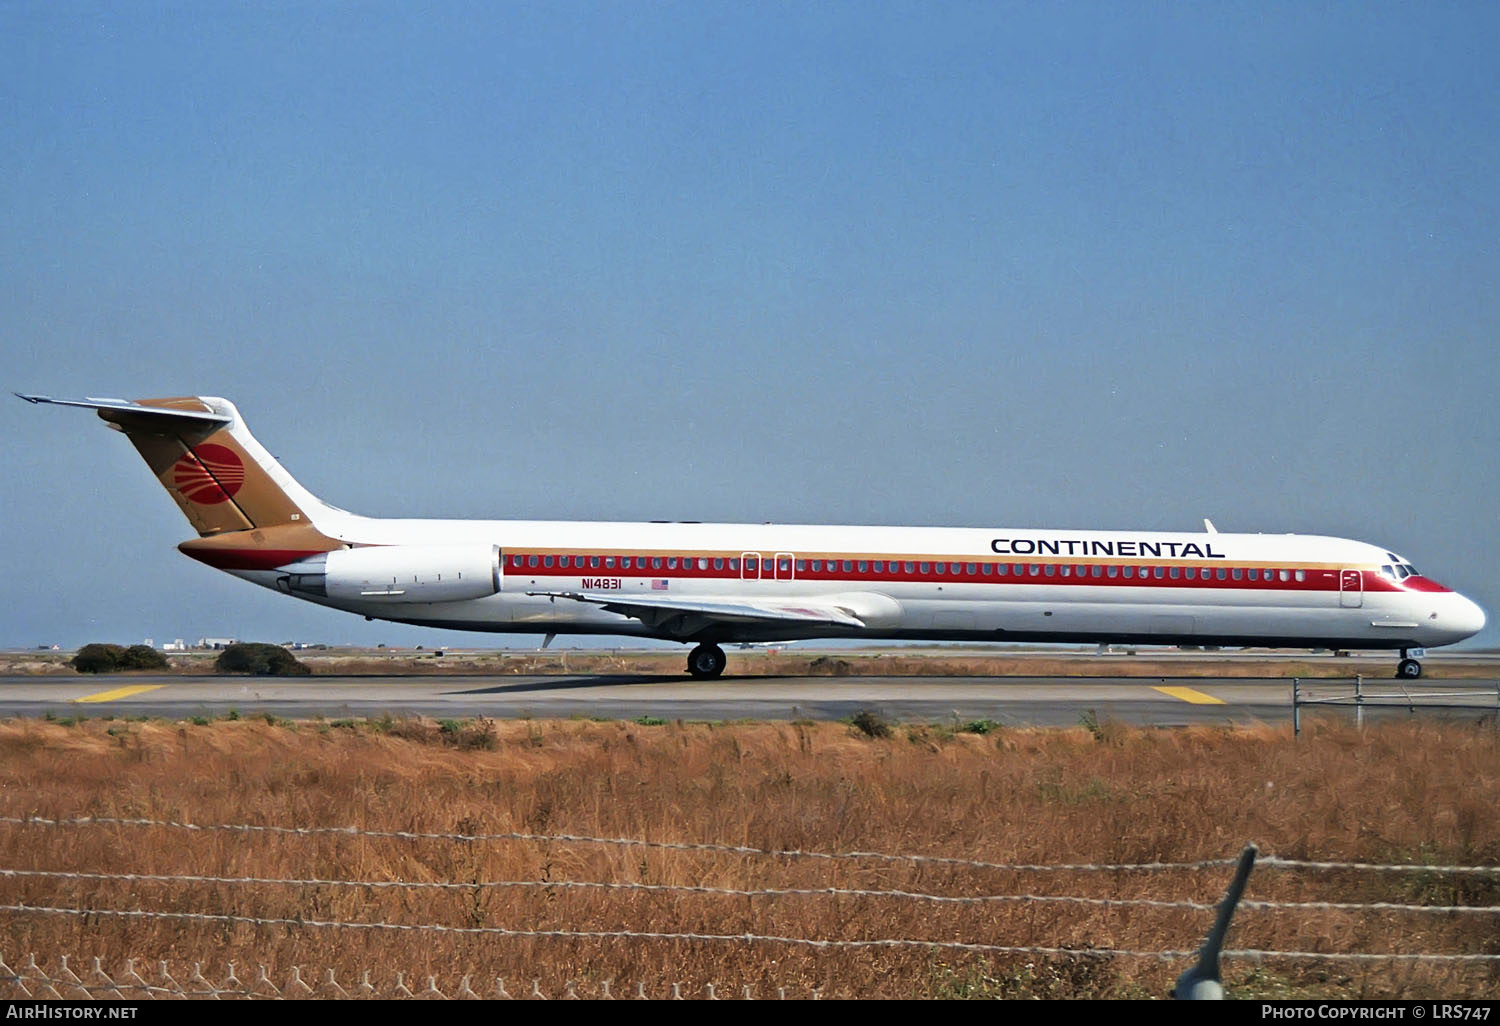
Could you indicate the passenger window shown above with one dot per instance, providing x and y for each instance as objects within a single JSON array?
[
  {"x": 1237, "y": 573},
  {"x": 1003, "y": 569},
  {"x": 1285, "y": 576},
  {"x": 1067, "y": 570},
  {"x": 1050, "y": 570},
  {"x": 718, "y": 562},
  {"x": 531, "y": 561},
  {"x": 911, "y": 567},
  {"x": 864, "y": 566},
  {"x": 926, "y": 568},
  {"x": 989, "y": 569},
  {"x": 817, "y": 566},
  {"x": 786, "y": 565},
  {"x": 517, "y": 560},
  {"x": 941, "y": 568},
  {"x": 1221, "y": 573},
  {"x": 1129, "y": 571},
  {"x": 609, "y": 562},
  {"x": 848, "y": 566},
  {"x": 801, "y": 566},
  {"x": 594, "y": 561},
  {"x": 1301, "y": 575},
  {"x": 624, "y": 562},
  {"x": 547, "y": 561},
  {"x": 734, "y": 564},
  {"x": 1097, "y": 571},
  {"x": 973, "y": 568},
  {"x": 878, "y": 566},
  {"x": 671, "y": 562},
  {"x": 1175, "y": 573},
  {"x": 703, "y": 563},
  {"x": 1158, "y": 572}
]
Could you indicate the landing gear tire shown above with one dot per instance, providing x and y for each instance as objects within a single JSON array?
[
  {"x": 706, "y": 661},
  {"x": 1409, "y": 669}
]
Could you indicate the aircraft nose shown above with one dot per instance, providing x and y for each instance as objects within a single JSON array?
[{"x": 1467, "y": 618}]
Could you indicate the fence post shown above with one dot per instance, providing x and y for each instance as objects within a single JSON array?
[
  {"x": 1359, "y": 700},
  {"x": 1296, "y": 710},
  {"x": 1202, "y": 981}
]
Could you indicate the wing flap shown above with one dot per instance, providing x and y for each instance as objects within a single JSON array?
[{"x": 654, "y": 610}]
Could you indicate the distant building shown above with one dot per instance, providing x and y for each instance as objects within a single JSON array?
[
  {"x": 175, "y": 646},
  {"x": 216, "y": 644}
]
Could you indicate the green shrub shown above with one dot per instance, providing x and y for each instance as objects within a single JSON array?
[
  {"x": 142, "y": 657},
  {"x": 261, "y": 660},
  {"x": 97, "y": 658},
  {"x": 871, "y": 723}
]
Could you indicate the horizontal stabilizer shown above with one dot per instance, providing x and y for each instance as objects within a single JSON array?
[{"x": 138, "y": 417}]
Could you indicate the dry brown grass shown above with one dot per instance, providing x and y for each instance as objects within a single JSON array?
[{"x": 1409, "y": 792}]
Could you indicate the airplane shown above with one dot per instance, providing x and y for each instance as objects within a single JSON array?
[{"x": 709, "y": 585}]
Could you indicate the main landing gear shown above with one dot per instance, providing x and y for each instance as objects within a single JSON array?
[
  {"x": 1408, "y": 668},
  {"x": 706, "y": 661}
]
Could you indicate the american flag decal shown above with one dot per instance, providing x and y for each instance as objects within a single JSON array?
[{"x": 658, "y": 584}]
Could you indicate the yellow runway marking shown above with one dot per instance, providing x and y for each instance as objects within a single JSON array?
[
  {"x": 1189, "y": 695},
  {"x": 110, "y": 696}
]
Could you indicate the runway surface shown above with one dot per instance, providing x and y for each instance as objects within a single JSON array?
[{"x": 1014, "y": 701}]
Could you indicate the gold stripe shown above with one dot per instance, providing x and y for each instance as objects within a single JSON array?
[
  {"x": 1189, "y": 695},
  {"x": 110, "y": 696}
]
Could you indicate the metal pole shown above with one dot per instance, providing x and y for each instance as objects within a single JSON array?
[
  {"x": 1297, "y": 712},
  {"x": 1202, "y": 981},
  {"x": 1359, "y": 700}
]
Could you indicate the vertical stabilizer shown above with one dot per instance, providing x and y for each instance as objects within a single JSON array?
[{"x": 221, "y": 478}]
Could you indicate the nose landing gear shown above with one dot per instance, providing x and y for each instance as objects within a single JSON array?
[
  {"x": 706, "y": 661},
  {"x": 1408, "y": 668}
]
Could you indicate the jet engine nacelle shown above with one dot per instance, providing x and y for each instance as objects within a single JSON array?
[{"x": 398, "y": 573}]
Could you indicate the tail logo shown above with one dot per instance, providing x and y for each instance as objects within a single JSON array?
[{"x": 209, "y": 474}]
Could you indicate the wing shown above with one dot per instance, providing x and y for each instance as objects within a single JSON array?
[{"x": 691, "y": 615}]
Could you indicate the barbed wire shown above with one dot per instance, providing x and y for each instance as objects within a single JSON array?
[
  {"x": 769, "y": 892},
  {"x": 351, "y": 831},
  {"x": 743, "y": 938},
  {"x": 35, "y": 982},
  {"x": 502, "y": 931},
  {"x": 731, "y": 849},
  {"x": 1276, "y": 862}
]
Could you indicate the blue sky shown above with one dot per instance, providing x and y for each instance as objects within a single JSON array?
[{"x": 1073, "y": 264}]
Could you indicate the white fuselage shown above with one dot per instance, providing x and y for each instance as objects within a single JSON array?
[{"x": 916, "y": 583}]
